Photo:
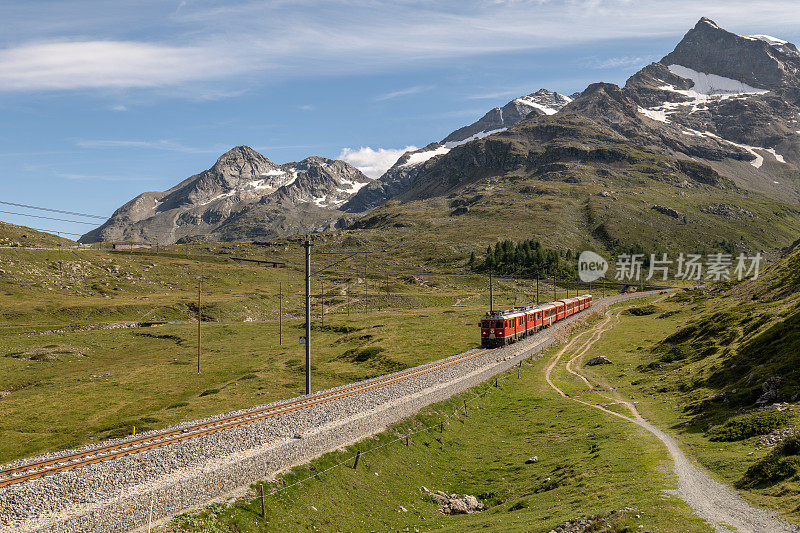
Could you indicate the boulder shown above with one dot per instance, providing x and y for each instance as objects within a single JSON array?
[
  {"x": 769, "y": 390},
  {"x": 457, "y": 503},
  {"x": 599, "y": 360}
]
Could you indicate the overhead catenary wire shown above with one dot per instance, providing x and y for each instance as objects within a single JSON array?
[
  {"x": 56, "y": 232},
  {"x": 48, "y": 218},
  {"x": 53, "y": 210}
]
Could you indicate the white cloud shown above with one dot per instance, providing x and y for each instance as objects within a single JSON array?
[
  {"x": 618, "y": 62},
  {"x": 203, "y": 42},
  {"x": 402, "y": 92},
  {"x": 118, "y": 107},
  {"x": 170, "y": 146},
  {"x": 373, "y": 163},
  {"x": 109, "y": 64},
  {"x": 306, "y": 107}
]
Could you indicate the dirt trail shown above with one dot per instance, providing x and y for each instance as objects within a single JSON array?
[{"x": 719, "y": 505}]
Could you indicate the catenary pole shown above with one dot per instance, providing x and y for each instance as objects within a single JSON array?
[
  {"x": 307, "y": 246},
  {"x": 491, "y": 294},
  {"x": 199, "y": 317}
]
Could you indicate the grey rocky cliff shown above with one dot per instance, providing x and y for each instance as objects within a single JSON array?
[{"x": 243, "y": 195}]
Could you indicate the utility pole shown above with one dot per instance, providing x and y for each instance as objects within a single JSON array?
[
  {"x": 280, "y": 313},
  {"x": 199, "y": 317},
  {"x": 603, "y": 283},
  {"x": 378, "y": 286},
  {"x": 307, "y": 246},
  {"x": 554, "y": 288},
  {"x": 366, "y": 287},
  {"x": 537, "y": 287},
  {"x": 491, "y": 295},
  {"x": 322, "y": 297}
]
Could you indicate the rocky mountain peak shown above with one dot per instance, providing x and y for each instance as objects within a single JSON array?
[
  {"x": 604, "y": 101},
  {"x": 760, "y": 61},
  {"x": 542, "y": 102},
  {"x": 241, "y": 162},
  {"x": 242, "y": 194}
]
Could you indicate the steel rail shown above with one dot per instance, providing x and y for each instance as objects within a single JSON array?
[
  {"x": 121, "y": 449},
  {"x": 17, "y": 474}
]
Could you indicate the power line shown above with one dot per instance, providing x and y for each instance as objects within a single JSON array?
[
  {"x": 48, "y": 218},
  {"x": 54, "y": 231},
  {"x": 53, "y": 210}
]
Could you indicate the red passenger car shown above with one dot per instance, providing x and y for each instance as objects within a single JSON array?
[{"x": 503, "y": 327}]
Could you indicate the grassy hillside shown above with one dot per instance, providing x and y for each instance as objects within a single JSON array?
[
  {"x": 113, "y": 335},
  {"x": 710, "y": 364},
  {"x": 573, "y": 182},
  {"x": 15, "y": 236},
  {"x": 695, "y": 363},
  {"x": 587, "y": 464}
]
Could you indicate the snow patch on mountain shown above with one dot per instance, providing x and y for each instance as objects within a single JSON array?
[
  {"x": 417, "y": 158},
  {"x": 226, "y": 194},
  {"x": 759, "y": 159},
  {"x": 355, "y": 186},
  {"x": 659, "y": 114},
  {"x": 772, "y": 41},
  {"x": 778, "y": 157},
  {"x": 710, "y": 84},
  {"x": 480, "y": 135},
  {"x": 535, "y": 102}
]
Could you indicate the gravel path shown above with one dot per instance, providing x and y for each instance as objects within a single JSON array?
[{"x": 719, "y": 505}]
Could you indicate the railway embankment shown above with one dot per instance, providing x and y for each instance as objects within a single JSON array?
[{"x": 123, "y": 493}]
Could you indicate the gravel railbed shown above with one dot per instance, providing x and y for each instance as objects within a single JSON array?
[{"x": 116, "y": 495}]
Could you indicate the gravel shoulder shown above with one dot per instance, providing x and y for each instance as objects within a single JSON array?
[
  {"x": 719, "y": 505},
  {"x": 117, "y": 495}
]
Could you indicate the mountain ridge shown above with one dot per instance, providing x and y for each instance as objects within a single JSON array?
[{"x": 240, "y": 181}]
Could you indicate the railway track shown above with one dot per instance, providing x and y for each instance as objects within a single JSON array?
[{"x": 39, "y": 469}]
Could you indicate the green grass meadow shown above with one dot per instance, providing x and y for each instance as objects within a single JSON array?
[{"x": 588, "y": 463}]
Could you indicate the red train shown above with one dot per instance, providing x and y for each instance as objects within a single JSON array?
[{"x": 500, "y": 328}]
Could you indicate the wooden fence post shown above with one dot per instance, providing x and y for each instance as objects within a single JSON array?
[{"x": 263, "y": 508}]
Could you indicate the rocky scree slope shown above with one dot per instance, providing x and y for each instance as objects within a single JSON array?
[{"x": 243, "y": 195}]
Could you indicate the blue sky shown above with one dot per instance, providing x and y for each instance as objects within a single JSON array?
[{"x": 101, "y": 101}]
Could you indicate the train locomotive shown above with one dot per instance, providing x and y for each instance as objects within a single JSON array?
[{"x": 503, "y": 327}]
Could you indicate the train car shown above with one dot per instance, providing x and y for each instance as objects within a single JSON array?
[
  {"x": 503, "y": 327},
  {"x": 571, "y": 305}
]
